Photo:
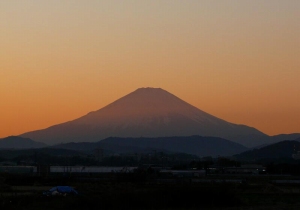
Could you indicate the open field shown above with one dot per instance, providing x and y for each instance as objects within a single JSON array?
[{"x": 129, "y": 191}]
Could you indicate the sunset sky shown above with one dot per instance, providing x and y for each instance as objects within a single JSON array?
[{"x": 238, "y": 60}]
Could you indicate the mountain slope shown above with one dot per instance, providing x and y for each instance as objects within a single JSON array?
[
  {"x": 283, "y": 149},
  {"x": 15, "y": 142},
  {"x": 147, "y": 112},
  {"x": 283, "y": 137},
  {"x": 277, "y": 138},
  {"x": 195, "y": 145}
]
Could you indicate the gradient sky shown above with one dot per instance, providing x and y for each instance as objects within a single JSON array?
[{"x": 238, "y": 60}]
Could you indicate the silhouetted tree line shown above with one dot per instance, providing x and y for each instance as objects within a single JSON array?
[
  {"x": 175, "y": 161},
  {"x": 46, "y": 159}
]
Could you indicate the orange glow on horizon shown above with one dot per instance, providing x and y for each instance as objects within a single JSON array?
[{"x": 238, "y": 60}]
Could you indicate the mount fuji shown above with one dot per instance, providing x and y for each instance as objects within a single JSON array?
[{"x": 147, "y": 112}]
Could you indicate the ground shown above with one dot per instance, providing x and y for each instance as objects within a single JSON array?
[{"x": 127, "y": 192}]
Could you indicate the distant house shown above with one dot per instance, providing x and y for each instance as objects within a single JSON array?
[
  {"x": 17, "y": 169},
  {"x": 184, "y": 173},
  {"x": 245, "y": 169},
  {"x": 90, "y": 169},
  {"x": 8, "y": 163}
]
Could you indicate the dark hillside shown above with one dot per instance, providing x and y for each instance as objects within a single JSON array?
[
  {"x": 196, "y": 145},
  {"x": 283, "y": 149}
]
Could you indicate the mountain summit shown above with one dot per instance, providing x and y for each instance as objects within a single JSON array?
[{"x": 146, "y": 112}]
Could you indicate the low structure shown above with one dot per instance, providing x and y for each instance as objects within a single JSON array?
[
  {"x": 90, "y": 169},
  {"x": 184, "y": 173},
  {"x": 245, "y": 169},
  {"x": 18, "y": 169}
]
